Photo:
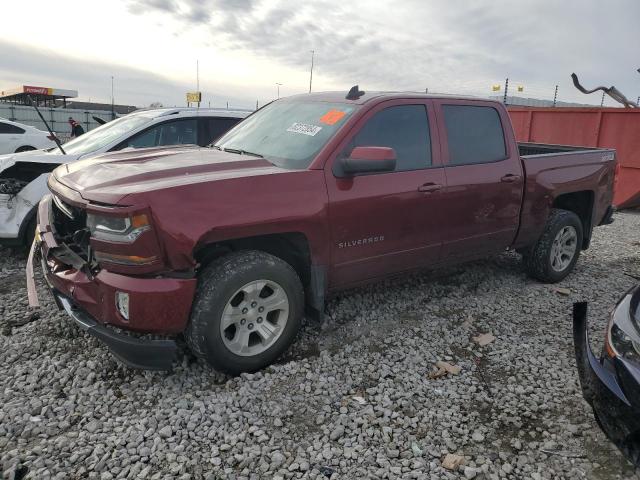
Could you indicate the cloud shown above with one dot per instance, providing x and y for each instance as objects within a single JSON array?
[
  {"x": 24, "y": 65},
  {"x": 455, "y": 47},
  {"x": 144, "y": 5}
]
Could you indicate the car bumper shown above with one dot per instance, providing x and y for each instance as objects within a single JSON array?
[
  {"x": 10, "y": 219},
  {"x": 609, "y": 386},
  {"x": 133, "y": 352},
  {"x": 156, "y": 305}
]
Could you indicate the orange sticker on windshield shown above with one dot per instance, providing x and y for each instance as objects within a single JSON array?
[{"x": 332, "y": 117}]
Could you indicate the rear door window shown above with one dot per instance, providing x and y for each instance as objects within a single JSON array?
[
  {"x": 215, "y": 127},
  {"x": 7, "y": 128},
  {"x": 474, "y": 134},
  {"x": 176, "y": 132},
  {"x": 405, "y": 128}
]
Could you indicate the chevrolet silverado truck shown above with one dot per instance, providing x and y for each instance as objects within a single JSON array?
[{"x": 228, "y": 246}]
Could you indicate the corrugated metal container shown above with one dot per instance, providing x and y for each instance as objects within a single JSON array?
[{"x": 617, "y": 128}]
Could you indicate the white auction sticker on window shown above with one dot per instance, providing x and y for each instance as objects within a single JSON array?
[{"x": 304, "y": 128}]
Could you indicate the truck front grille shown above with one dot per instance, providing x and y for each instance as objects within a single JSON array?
[{"x": 70, "y": 225}]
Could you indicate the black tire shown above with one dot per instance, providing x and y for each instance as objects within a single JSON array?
[
  {"x": 538, "y": 259},
  {"x": 30, "y": 233},
  {"x": 25, "y": 148},
  {"x": 217, "y": 285}
]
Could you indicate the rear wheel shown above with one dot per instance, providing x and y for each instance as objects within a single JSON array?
[
  {"x": 555, "y": 254},
  {"x": 248, "y": 310},
  {"x": 25, "y": 148}
]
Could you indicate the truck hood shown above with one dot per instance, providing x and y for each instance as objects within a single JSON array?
[
  {"x": 110, "y": 177},
  {"x": 34, "y": 156}
]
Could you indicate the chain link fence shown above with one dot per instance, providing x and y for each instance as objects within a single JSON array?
[{"x": 57, "y": 118}]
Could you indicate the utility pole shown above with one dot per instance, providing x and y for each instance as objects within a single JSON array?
[
  {"x": 506, "y": 89},
  {"x": 113, "y": 113},
  {"x": 311, "y": 74},
  {"x": 256, "y": 104},
  {"x": 278, "y": 85},
  {"x": 555, "y": 96},
  {"x": 602, "y": 101}
]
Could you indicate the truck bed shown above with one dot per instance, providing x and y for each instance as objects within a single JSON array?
[
  {"x": 552, "y": 171},
  {"x": 528, "y": 149}
]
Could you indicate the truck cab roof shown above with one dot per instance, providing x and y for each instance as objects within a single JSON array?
[{"x": 369, "y": 96}]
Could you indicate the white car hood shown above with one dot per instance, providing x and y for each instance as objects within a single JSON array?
[{"x": 35, "y": 156}]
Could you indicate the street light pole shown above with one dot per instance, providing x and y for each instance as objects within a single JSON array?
[
  {"x": 311, "y": 74},
  {"x": 278, "y": 85},
  {"x": 113, "y": 114}
]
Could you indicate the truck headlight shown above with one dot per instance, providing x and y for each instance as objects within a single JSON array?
[
  {"x": 623, "y": 333},
  {"x": 117, "y": 229}
]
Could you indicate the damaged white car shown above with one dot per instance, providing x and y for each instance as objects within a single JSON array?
[{"x": 23, "y": 176}]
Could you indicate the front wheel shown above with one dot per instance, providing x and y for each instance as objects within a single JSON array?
[
  {"x": 248, "y": 310},
  {"x": 555, "y": 254}
]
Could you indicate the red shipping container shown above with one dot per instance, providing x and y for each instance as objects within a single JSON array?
[{"x": 617, "y": 128}]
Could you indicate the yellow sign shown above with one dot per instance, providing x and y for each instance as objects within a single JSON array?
[
  {"x": 520, "y": 88},
  {"x": 496, "y": 88},
  {"x": 194, "y": 97}
]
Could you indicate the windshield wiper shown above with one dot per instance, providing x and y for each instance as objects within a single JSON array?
[{"x": 241, "y": 152}]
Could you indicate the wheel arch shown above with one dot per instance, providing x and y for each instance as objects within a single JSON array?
[
  {"x": 25, "y": 148},
  {"x": 580, "y": 203},
  {"x": 291, "y": 247}
]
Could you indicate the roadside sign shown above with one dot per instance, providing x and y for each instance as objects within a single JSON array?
[{"x": 194, "y": 97}]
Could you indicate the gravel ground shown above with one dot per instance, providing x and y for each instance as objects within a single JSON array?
[{"x": 354, "y": 398}]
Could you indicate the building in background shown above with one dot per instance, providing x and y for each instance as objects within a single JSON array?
[
  {"x": 56, "y": 105},
  {"x": 45, "y": 96}
]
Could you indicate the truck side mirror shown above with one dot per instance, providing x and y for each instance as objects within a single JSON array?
[{"x": 369, "y": 160}]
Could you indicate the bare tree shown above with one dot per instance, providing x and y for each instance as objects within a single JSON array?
[{"x": 156, "y": 105}]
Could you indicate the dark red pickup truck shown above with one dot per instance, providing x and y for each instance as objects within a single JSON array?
[{"x": 310, "y": 194}]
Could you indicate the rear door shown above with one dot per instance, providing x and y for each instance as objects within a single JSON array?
[
  {"x": 387, "y": 222},
  {"x": 481, "y": 204},
  {"x": 10, "y": 137}
]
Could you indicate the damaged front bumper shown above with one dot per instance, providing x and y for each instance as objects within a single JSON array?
[
  {"x": 132, "y": 351},
  {"x": 156, "y": 305},
  {"x": 611, "y": 386}
]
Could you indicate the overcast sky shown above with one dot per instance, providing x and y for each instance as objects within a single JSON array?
[{"x": 245, "y": 47}]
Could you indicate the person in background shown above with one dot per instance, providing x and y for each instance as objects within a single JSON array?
[{"x": 76, "y": 128}]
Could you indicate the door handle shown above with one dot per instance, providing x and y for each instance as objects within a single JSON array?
[
  {"x": 429, "y": 187},
  {"x": 510, "y": 178}
]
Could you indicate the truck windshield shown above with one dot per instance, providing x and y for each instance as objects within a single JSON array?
[
  {"x": 104, "y": 135},
  {"x": 287, "y": 133}
]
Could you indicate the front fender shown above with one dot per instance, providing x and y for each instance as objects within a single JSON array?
[{"x": 17, "y": 210}]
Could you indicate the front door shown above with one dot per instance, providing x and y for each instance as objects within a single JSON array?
[{"x": 387, "y": 222}]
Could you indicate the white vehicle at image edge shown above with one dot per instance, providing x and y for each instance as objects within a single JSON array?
[
  {"x": 16, "y": 137},
  {"x": 23, "y": 176}
]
